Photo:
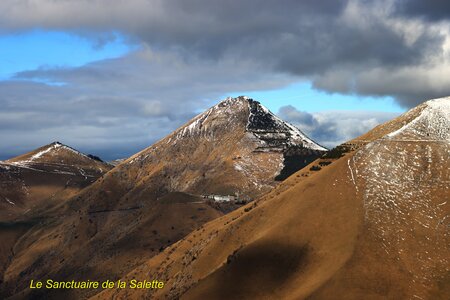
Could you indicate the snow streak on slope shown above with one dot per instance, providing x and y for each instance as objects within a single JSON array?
[
  {"x": 51, "y": 150},
  {"x": 40, "y": 153},
  {"x": 57, "y": 158}
]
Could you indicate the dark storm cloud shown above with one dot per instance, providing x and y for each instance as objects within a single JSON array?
[
  {"x": 331, "y": 128},
  {"x": 431, "y": 10},
  {"x": 191, "y": 52},
  {"x": 313, "y": 40}
]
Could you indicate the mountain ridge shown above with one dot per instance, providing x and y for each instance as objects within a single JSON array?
[
  {"x": 372, "y": 224},
  {"x": 52, "y": 171},
  {"x": 54, "y": 152},
  {"x": 124, "y": 213}
]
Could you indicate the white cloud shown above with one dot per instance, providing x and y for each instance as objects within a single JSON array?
[
  {"x": 331, "y": 128},
  {"x": 117, "y": 105},
  {"x": 337, "y": 44}
]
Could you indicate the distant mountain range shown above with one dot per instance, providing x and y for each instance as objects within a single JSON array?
[{"x": 366, "y": 220}]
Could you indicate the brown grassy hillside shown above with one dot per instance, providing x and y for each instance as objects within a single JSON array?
[{"x": 372, "y": 225}]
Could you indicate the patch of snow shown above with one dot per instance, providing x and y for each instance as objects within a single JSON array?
[
  {"x": 351, "y": 173},
  {"x": 4, "y": 166},
  {"x": 52, "y": 149},
  {"x": 40, "y": 153},
  {"x": 83, "y": 173},
  {"x": 238, "y": 167},
  {"x": 9, "y": 201},
  {"x": 24, "y": 165}
]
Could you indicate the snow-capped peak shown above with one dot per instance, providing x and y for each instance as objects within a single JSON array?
[
  {"x": 441, "y": 104},
  {"x": 431, "y": 123},
  {"x": 55, "y": 146},
  {"x": 55, "y": 150},
  {"x": 51, "y": 147},
  {"x": 260, "y": 121},
  {"x": 227, "y": 108}
]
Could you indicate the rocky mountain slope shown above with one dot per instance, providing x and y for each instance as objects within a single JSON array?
[
  {"x": 237, "y": 146},
  {"x": 373, "y": 224},
  {"x": 54, "y": 171},
  {"x": 156, "y": 197}
]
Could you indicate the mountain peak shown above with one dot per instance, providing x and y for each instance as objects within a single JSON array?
[
  {"x": 251, "y": 116},
  {"x": 238, "y": 98},
  {"x": 236, "y": 138},
  {"x": 231, "y": 104},
  {"x": 393, "y": 193},
  {"x": 56, "y": 143},
  {"x": 441, "y": 104},
  {"x": 439, "y": 100},
  {"x": 55, "y": 152},
  {"x": 238, "y": 103},
  {"x": 52, "y": 149},
  {"x": 430, "y": 121}
]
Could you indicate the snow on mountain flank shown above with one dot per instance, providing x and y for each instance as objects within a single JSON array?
[
  {"x": 40, "y": 153},
  {"x": 401, "y": 174},
  {"x": 431, "y": 124},
  {"x": 261, "y": 122},
  {"x": 262, "y": 119},
  {"x": 57, "y": 158},
  {"x": 236, "y": 138},
  {"x": 228, "y": 107},
  {"x": 9, "y": 201},
  {"x": 52, "y": 150}
]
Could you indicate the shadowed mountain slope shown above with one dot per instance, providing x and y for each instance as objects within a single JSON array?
[
  {"x": 35, "y": 182},
  {"x": 45, "y": 176}
]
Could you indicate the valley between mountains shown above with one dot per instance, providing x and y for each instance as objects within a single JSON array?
[{"x": 238, "y": 204}]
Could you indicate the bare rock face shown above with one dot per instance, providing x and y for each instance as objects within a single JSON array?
[{"x": 277, "y": 134}]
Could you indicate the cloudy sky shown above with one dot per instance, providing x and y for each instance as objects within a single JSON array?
[{"x": 110, "y": 77}]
